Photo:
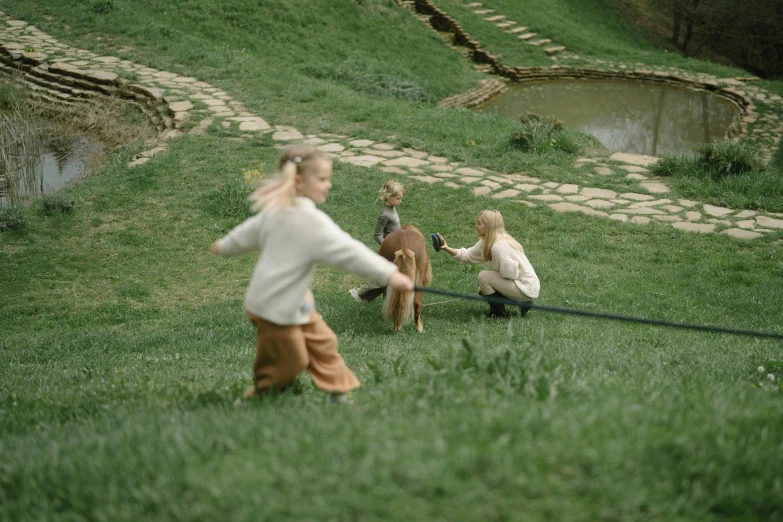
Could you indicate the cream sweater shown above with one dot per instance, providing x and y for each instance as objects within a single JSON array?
[
  {"x": 508, "y": 261},
  {"x": 292, "y": 241}
]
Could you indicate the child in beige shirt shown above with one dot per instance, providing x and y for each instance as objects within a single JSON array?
[{"x": 293, "y": 236}]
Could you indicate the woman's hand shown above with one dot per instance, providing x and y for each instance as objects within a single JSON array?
[
  {"x": 445, "y": 247},
  {"x": 400, "y": 282},
  {"x": 215, "y": 248}
]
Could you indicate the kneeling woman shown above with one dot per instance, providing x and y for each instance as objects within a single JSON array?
[{"x": 512, "y": 275}]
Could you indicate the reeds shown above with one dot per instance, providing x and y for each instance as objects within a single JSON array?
[{"x": 21, "y": 147}]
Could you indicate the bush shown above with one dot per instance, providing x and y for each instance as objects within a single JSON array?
[
  {"x": 727, "y": 174},
  {"x": 12, "y": 217},
  {"x": 57, "y": 203},
  {"x": 540, "y": 134},
  {"x": 728, "y": 158},
  {"x": 669, "y": 166},
  {"x": 717, "y": 160}
]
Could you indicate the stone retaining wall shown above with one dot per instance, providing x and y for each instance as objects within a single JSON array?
[
  {"x": 489, "y": 88},
  {"x": 67, "y": 84}
]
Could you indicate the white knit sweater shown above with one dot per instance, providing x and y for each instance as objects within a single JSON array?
[
  {"x": 292, "y": 241},
  {"x": 508, "y": 261}
]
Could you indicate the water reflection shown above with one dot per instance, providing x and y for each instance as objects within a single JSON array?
[
  {"x": 639, "y": 118},
  {"x": 62, "y": 159},
  {"x": 67, "y": 159}
]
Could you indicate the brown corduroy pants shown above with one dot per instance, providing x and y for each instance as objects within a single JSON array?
[{"x": 282, "y": 351}]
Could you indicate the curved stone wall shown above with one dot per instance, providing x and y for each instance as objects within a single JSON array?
[{"x": 68, "y": 84}]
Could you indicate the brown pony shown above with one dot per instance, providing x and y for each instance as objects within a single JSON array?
[{"x": 407, "y": 249}]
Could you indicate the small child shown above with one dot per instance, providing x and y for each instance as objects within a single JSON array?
[
  {"x": 293, "y": 236},
  {"x": 391, "y": 194}
]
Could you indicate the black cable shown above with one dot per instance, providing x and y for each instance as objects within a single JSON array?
[{"x": 526, "y": 305}]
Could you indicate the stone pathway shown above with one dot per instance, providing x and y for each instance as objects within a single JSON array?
[{"x": 65, "y": 74}]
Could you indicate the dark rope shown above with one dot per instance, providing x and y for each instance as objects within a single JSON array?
[{"x": 523, "y": 306}]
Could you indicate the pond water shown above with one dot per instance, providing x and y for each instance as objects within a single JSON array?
[
  {"x": 633, "y": 117},
  {"x": 63, "y": 159}
]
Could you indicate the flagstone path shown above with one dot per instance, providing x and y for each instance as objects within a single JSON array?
[{"x": 65, "y": 74}]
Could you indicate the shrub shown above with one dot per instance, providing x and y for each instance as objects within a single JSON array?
[
  {"x": 568, "y": 142},
  {"x": 540, "y": 134},
  {"x": 717, "y": 160},
  {"x": 12, "y": 217},
  {"x": 669, "y": 166},
  {"x": 57, "y": 203},
  {"x": 727, "y": 174},
  {"x": 728, "y": 158}
]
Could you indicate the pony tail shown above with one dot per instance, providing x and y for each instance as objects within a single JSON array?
[
  {"x": 277, "y": 192},
  {"x": 398, "y": 306}
]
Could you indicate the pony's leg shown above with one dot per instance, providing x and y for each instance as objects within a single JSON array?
[{"x": 417, "y": 312}]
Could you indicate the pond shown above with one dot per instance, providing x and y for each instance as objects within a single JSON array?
[
  {"x": 632, "y": 117},
  {"x": 61, "y": 159}
]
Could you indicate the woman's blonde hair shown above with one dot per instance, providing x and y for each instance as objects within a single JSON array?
[
  {"x": 495, "y": 230},
  {"x": 390, "y": 189},
  {"x": 280, "y": 190}
]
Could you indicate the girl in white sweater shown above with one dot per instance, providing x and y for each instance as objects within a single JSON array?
[
  {"x": 293, "y": 236},
  {"x": 512, "y": 275}
]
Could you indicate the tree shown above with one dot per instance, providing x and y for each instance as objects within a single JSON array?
[{"x": 747, "y": 33}]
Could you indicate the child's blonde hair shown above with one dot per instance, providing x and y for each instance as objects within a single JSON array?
[
  {"x": 495, "y": 229},
  {"x": 280, "y": 190},
  {"x": 390, "y": 189}
]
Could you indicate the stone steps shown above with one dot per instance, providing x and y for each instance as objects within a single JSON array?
[
  {"x": 476, "y": 96},
  {"x": 512, "y": 27}
]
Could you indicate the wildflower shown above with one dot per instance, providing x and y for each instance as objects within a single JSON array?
[
  {"x": 771, "y": 377},
  {"x": 252, "y": 176},
  {"x": 761, "y": 369}
]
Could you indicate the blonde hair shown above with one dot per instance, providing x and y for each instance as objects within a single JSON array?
[
  {"x": 495, "y": 230},
  {"x": 280, "y": 190},
  {"x": 390, "y": 189}
]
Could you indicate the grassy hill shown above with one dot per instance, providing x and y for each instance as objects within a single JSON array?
[{"x": 123, "y": 346}]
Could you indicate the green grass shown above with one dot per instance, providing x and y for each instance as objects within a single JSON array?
[
  {"x": 123, "y": 345},
  {"x": 725, "y": 173},
  {"x": 590, "y": 29}
]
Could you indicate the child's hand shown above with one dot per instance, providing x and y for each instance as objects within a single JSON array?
[
  {"x": 400, "y": 282},
  {"x": 215, "y": 248},
  {"x": 443, "y": 244}
]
